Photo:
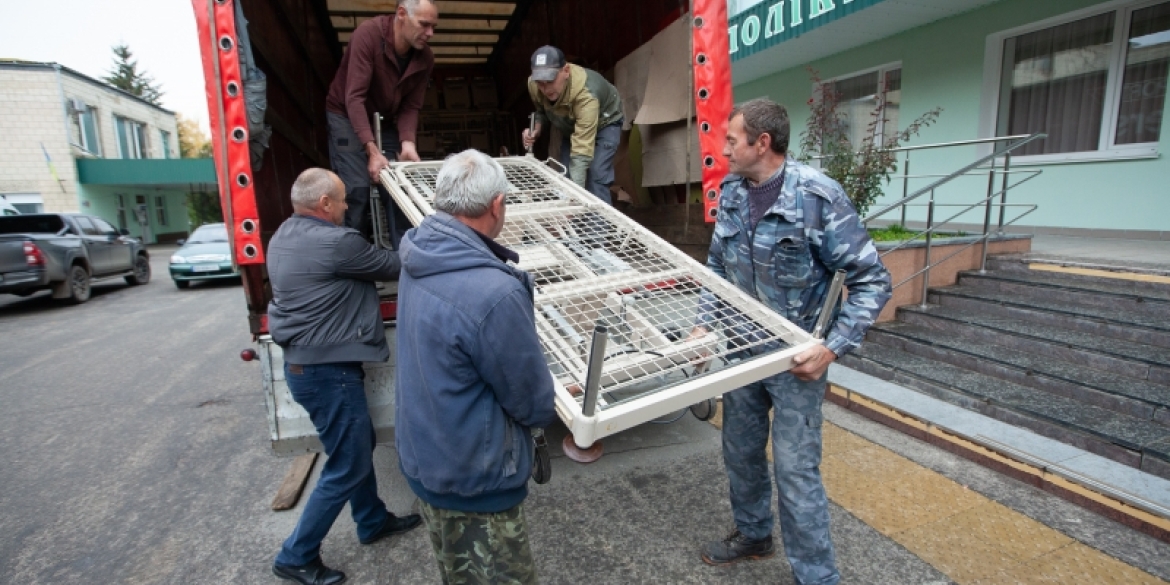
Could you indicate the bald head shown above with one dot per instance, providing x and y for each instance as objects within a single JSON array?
[{"x": 319, "y": 193}]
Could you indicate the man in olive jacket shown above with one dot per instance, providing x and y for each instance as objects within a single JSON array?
[
  {"x": 324, "y": 315},
  {"x": 586, "y": 109}
]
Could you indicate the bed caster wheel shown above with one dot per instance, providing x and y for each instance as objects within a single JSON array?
[{"x": 704, "y": 410}]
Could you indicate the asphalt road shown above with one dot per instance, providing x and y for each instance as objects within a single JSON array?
[{"x": 134, "y": 449}]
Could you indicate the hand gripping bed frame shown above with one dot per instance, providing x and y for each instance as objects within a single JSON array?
[{"x": 616, "y": 305}]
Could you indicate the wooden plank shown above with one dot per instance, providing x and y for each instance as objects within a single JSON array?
[{"x": 294, "y": 482}]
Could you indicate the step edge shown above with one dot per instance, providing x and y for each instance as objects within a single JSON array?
[
  {"x": 994, "y": 275},
  {"x": 958, "y": 292},
  {"x": 1044, "y": 374},
  {"x": 1133, "y": 446},
  {"x": 1136, "y": 360}
]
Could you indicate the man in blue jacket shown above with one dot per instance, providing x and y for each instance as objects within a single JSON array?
[
  {"x": 471, "y": 380},
  {"x": 324, "y": 315}
]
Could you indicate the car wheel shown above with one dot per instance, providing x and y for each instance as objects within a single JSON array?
[
  {"x": 182, "y": 284},
  {"x": 141, "y": 271},
  {"x": 79, "y": 284}
]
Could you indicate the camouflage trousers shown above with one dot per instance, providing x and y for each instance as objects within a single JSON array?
[
  {"x": 796, "y": 454},
  {"x": 475, "y": 548}
]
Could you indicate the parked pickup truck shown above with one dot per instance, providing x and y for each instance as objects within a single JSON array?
[{"x": 65, "y": 253}]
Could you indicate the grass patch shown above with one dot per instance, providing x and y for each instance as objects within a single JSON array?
[{"x": 898, "y": 233}]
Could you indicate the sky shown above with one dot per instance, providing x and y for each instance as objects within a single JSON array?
[{"x": 79, "y": 34}]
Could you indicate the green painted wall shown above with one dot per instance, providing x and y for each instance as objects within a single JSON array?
[
  {"x": 942, "y": 65},
  {"x": 102, "y": 201}
]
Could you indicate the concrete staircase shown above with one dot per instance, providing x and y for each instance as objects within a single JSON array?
[{"x": 1083, "y": 360}]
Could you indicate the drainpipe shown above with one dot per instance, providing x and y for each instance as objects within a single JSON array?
[{"x": 65, "y": 108}]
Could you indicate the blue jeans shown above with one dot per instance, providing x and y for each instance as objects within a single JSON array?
[
  {"x": 600, "y": 175},
  {"x": 335, "y": 398},
  {"x": 796, "y": 454}
]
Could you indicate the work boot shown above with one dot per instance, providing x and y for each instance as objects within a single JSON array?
[
  {"x": 312, "y": 573},
  {"x": 394, "y": 525},
  {"x": 737, "y": 547}
]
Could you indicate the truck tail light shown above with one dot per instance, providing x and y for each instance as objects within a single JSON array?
[{"x": 33, "y": 255}]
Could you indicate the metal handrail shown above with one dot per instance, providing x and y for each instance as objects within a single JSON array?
[
  {"x": 1014, "y": 142},
  {"x": 930, "y": 188}
]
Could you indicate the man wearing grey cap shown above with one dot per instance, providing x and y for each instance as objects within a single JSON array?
[{"x": 586, "y": 109}]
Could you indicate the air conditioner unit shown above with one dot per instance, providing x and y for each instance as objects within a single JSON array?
[{"x": 76, "y": 105}]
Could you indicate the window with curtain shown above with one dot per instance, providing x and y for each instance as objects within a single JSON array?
[
  {"x": 1143, "y": 85},
  {"x": 860, "y": 96},
  {"x": 1091, "y": 84}
]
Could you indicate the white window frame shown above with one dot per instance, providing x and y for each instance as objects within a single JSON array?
[
  {"x": 139, "y": 137},
  {"x": 122, "y": 219},
  {"x": 881, "y": 70},
  {"x": 160, "y": 209},
  {"x": 1106, "y": 149},
  {"x": 87, "y": 143},
  {"x": 164, "y": 139}
]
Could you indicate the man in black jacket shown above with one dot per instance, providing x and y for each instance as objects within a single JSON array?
[{"x": 324, "y": 315}]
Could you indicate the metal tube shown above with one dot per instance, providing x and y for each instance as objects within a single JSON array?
[
  {"x": 830, "y": 305},
  {"x": 905, "y": 185},
  {"x": 929, "y": 238},
  {"x": 377, "y": 214},
  {"x": 1007, "y": 165},
  {"x": 987, "y": 218},
  {"x": 563, "y": 325},
  {"x": 593, "y": 376},
  {"x": 531, "y": 130}
]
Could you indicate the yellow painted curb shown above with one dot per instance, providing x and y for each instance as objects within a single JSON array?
[{"x": 1135, "y": 276}]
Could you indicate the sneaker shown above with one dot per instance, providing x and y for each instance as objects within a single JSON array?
[
  {"x": 312, "y": 573},
  {"x": 394, "y": 525},
  {"x": 737, "y": 547}
]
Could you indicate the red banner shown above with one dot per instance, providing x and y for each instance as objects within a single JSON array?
[{"x": 711, "y": 62}]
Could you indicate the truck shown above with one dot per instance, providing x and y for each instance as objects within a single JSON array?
[
  {"x": 267, "y": 68},
  {"x": 65, "y": 253}
]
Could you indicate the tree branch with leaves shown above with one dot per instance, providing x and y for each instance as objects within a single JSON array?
[{"x": 860, "y": 169}]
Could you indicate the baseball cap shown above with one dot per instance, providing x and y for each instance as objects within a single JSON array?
[{"x": 546, "y": 62}]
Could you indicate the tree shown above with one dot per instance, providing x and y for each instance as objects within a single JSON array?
[
  {"x": 204, "y": 207},
  {"x": 126, "y": 76},
  {"x": 193, "y": 143},
  {"x": 860, "y": 172}
]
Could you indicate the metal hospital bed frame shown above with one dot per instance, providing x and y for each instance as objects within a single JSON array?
[{"x": 616, "y": 304}]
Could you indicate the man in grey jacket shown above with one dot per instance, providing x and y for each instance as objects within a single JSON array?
[{"x": 324, "y": 315}]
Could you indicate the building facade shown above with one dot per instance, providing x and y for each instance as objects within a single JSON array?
[
  {"x": 75, "y": 144},
  {"x": 1090, "y": 74}
]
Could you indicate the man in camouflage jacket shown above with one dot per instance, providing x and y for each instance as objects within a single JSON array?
[
  {"x": 782, "y": 230},
  {"x": 588, "y": 112}
]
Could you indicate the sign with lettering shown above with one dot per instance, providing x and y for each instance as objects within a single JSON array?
[{"x": 772, "y": 22}]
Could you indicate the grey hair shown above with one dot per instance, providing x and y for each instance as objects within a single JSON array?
[
  {"x": 467, "y": 184},
  {"x": 310, "y": 185},
  {"x": 764, "y": 116},
  {"x": 411, "y": 5}
]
